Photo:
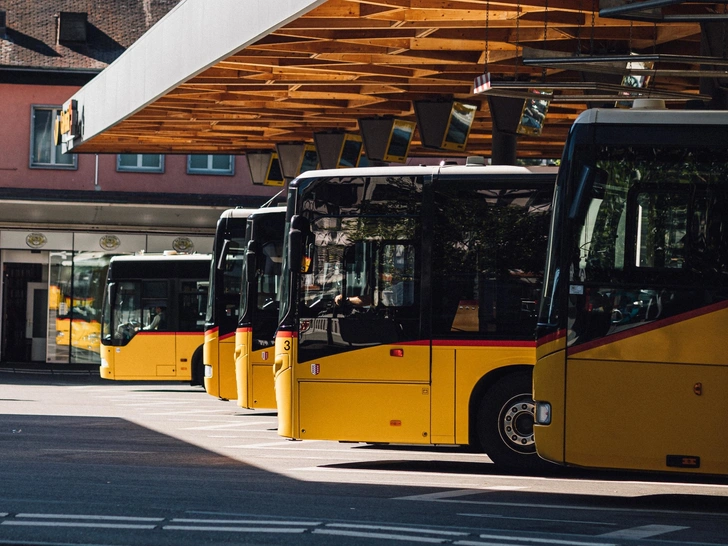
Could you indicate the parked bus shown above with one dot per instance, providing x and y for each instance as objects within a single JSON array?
[
  {"x": 259, "y": 307},
  {"x": 153, "y": 317},
  {"x": 409, "y": 309},
  {"x": 222, "y": 304},
  {"x": 631, "y": 371},
  {"x": 77, "y": 284}
]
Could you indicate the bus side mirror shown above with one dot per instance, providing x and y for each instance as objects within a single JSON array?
[
  {"x": 220, "y": 265},
  {"x": 251, "y": 262},
  {"x": 295, "y": 250},
  {"x": 300, "y": 244},
  {"x": 591, "y": 185}
]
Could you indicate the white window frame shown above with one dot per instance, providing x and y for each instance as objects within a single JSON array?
[
  {"x": 230, "y": 171},
  {"x": 55, "y": 150},
  {"x": 140, "y": 168}
]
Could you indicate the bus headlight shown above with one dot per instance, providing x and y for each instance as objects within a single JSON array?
[
  {"x": 543, "y": 413},
  {"x": 208, "y": 371},
  {"x": 104, "y": 363}
]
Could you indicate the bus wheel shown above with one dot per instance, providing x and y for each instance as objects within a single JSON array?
[{"x": 505, "y": 423}]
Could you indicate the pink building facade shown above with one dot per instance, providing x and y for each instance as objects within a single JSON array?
[{"x": 61, "y": 212}]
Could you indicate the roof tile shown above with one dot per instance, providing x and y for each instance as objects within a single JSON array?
[{"x": 113, "y": 25}]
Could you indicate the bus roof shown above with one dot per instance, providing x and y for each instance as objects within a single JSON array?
[
  {"x": 237, "y": 213},
  {"x": 160, "y": 256},
  {"x": 421, "y": 170},
  {"x": 648, "y": 116},
  {"x": 268, "y": 210}
]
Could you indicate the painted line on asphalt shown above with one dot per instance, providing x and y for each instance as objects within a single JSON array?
[
  {"x": 384, "y": 536},
  {"x": 256, "y": 446},
  {"x": 394, "y": 528},
  {"x": 207, "y": 528},
  {"x": 443, "y": 497},
  {"x": 545, "y": 540},
  {"x": 124, "y": 451},
  {"x": 85, "y": 516},
  {"x": 227, "y": 425},
  {"x": 550, "y": 520},
  {"x": 644, "y": 531},
  {"x": 95, "y": 525},
  {"x": 190, "y": 412},
  {"x": 244, "y": 522}
]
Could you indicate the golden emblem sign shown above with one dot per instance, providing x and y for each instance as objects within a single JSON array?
[
  {"x": 183, "y": 244},
  {"x": 109, "y": 242},
  {"x": 36, "y": 240}
]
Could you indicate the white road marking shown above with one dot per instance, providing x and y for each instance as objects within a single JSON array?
[
  {"x": 149, "y": 403},
  {"x": 227, "y": 425},
  {"x": 256, "y": 446},
  {"x": 117, "y": 451},
  {"x": 393, "y": 528},
  {"x": 190, "y": 412},
  {"x": 386, "y": 536},
  {"x": 206, "y": 529},
  {"x": 95, "y": 525},
  {"x": 498, "y": 516},
  {"x": 245, "y": 522},
  {"x": 443, "y": 497},
  {"x": 85, "y": 516},
  {"x": 644, "y": 531},
  {"x": 546, "y": 540}
]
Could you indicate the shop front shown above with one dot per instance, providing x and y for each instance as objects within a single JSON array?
[{"x": 52, "y": 289}]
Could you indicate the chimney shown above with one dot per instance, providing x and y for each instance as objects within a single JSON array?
[{"x": 72, "y": 27}]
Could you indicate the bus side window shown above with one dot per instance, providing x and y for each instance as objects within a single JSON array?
[{"x": 190, "y": 316}]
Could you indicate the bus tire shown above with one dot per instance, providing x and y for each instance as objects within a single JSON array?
[{"x": 505, "y": 423}]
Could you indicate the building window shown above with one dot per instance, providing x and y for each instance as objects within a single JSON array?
[
  {"x": 44, "y": 152},
  {"x": 147, "y": 163},
  {"x": 210, "y": 164}
]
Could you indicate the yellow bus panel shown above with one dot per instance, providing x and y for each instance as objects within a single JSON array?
[
  {"x": 151, "y": 356},
  {"x": 219, "y": 363},
  {"x": 253, "y": 373},
  {"x": 610, "y": 388},
  {"x": 350, "y": 415}
]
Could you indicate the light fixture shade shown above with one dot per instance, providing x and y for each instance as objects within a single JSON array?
[
  {"x": 387, "y": 139},
  {"x": 290, "y": 154},
  {"x": 444, "y": 125},
  {"x": 336, "y": 150},
  {"x": 265, "y": 168}
]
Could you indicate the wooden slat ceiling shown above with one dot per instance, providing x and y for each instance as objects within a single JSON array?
[{"x": 349, "y": 59}]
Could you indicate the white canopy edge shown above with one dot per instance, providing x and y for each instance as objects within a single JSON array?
[{"x": 192, "y": 37}]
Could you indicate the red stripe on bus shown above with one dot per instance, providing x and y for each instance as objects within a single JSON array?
[
  {"x": 212, "y": 330},
  {"x": 227, "y": 336},
  {"x": 244, "y": 330},
  {"x": 469, "y": 343},
  {"x": 558, "y": 334},
  {"x": 639, "y": 330}
]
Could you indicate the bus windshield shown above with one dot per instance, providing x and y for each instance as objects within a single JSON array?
[
  {"x": 649, "y": 220},
  {"x": 362, "y": 265}
]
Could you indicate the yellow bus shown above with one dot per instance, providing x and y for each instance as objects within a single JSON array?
[
  {"x": 255, "y": 334},
  {"x": 409, "y": 309},
  {"x": 632, "y": 371},
  {"x": 77, "y": 284},
  {"x": 153, "y": 317},
  {"x": 223, "y": 300}
]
